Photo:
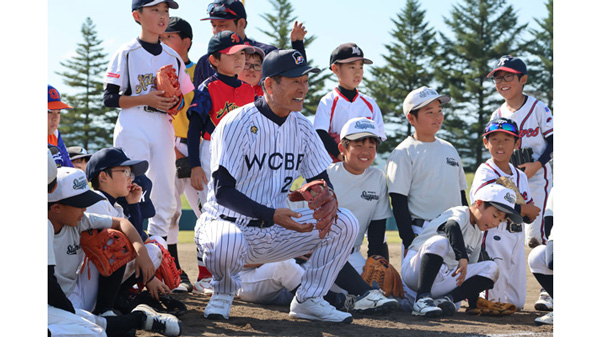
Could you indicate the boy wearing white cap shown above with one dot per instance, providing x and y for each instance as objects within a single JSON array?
[{"x": 441, "y": 263}]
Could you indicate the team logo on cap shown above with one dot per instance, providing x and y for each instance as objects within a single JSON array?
[
  {"x": 503, "y": 60},
  {"x": 510, "y": 198},
  {"x": 427, "y": 92},
  {"x": 364, "y": 125},
  {"x": 298, "y": 58},
  {"x": 53, "y": 94},
  {"x": 235, "y": 38},
  {"x": 356, "y": 50},
  {"x": 80, "y": 183}
]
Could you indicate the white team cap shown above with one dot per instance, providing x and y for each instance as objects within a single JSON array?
[
  {"x": 51, "y": 167},
  {"x": 360, "y": 127},
  {"x": 502, "y": 198},
  {"x": 72, "y": 189},
  {"x": 419, "y": 98}
]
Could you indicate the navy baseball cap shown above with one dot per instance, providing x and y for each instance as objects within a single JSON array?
[
  {"x": 112, "y": 157},
  {"x": 225, "y": 10},
  {"x": 227, "y": 42},
  {"x": 286, "y": 63},
  {"x": 511, "y": 65},
  {"x": 502, "y": 124},
  {"x": 346, "y": 53},
  {"x": 179, "y": 25},
  {"x": 54, "y": 102},
  {"x": 137, "y": 4}
]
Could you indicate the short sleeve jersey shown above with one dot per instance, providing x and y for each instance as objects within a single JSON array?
[
  {"x": 335, "y": 110},
  {"x": 365, "y": 195},
  {"x": 535, "y": 123},
  {"x": 263, "y": 157},
  {"x": 430, "y": 174},
  {"x": 105, "y": 207},
  {"x": 472, "y": 236},
  {"x": 68, "y": 252}
]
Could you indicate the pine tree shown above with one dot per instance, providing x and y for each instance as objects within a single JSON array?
[
  {"x": 409, "y": 65},
  {"x": 281, "y": 23},
  {"x": 90, "y": 123},
  {"x": 540, "y": 68},
  {"x": 483, "y": 31}
]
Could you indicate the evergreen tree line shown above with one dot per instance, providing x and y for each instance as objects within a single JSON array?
[{"x": 455, "y": 63}]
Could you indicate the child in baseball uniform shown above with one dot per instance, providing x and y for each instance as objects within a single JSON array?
[
  {"x": 54, "y": 138},
  {"x": 111, "y": 174},
  {"x": 79, "y": 156},
  {"x": 178, "y": 36},
  {"x": 536, "y": 126},
  {"x": 441, "y": 264},
  {"x": 84, "y": 286},
  {"x": 505, "y": 244},
  {"x": 144, "y": 129},
  {"x": 541, "y": 264},
  {"x": 345, "y": 102},
  {"x": 65, "y": 320}
]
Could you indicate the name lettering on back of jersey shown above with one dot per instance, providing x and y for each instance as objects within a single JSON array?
[
  {"x": 275, "y": 161},
  {"x": 529, "y": 132},
  {"x": 227, "y": 107},
  {"x": 452, "y": 162},
  {"x": 145, "y": 81},
  {"x": 369, "y": 195}
]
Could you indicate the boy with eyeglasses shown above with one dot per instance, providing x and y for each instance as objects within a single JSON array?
[
  {"x": 505, "y": 244},
  {"x": 536, "y": 123}
]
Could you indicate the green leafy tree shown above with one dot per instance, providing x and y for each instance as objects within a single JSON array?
[
  {"x": 281, "y": 23},
  {"x": 90, "y": 123},
  {"x": 482, "y": 31},
  {"x": 540, "y": 68},
  {"x": 411, "y": 54}
]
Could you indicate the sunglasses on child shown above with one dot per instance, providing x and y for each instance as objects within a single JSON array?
[
  {"x": 221, "y": 8},
  {"x": 501, "y": 126}
]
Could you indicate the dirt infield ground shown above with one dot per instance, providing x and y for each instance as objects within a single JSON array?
[{"x": 249, "y": 319}]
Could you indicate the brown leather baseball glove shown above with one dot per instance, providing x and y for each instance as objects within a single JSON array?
[
  {"x": 322, "y": 200},
  {"x": 167, "y": 271},
  {"x": 489, "y": 308},
  {"x": 109, "y": 249},
  {"x": 168, "y": 81},
  {"x": 378, "y": 269}
]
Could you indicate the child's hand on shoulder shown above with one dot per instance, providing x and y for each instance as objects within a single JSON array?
[{"x": 298, "y": 32}]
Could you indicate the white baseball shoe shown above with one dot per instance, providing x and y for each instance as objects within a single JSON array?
[
  {"x": 544, "y": 303},
  {"x": 547, "y": 319},
  {"x": 185, "y": 286},
  {"x": 219, "y": 306},
  {"x": 165, "y": 324},
  {"x": 424, "y": 306},
  {"x": 374, "y": 301},
  {"x": 448, "y": 307},
  {"x": 317, "y": 309},
  {"x": 203, "y": 287}
]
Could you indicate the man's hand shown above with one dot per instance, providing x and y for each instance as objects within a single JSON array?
[
  {"x": 283, "y": 218},
  {"x": 198, "y": 178},
  {"x": 461, "y": 271}
]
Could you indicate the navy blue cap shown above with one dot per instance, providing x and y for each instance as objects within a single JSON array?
[
  {"x": 225, "y": 10},
  {"x": 346, "y": 53},
  {"x": 137, "y": 4},
  {"x": 112, "y": 157},
  {"x": 227, "y": 42},
  {"x": 510, "y": 64},
  {"x": 179, "y": 25},
  {"x": 286, "y": 63}
]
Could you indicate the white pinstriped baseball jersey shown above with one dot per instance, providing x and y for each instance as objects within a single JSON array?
[
  {"x": 535, "y": 122},
  {"x": 263, "y": 157},
  {"x": 335, "y": 110}
]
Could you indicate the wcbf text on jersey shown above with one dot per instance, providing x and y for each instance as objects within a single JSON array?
[{"x": 289, "y": 161}]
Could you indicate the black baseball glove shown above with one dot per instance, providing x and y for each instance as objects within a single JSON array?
[
  {"x": 183, "y": 167},
  {"x": 522, "y": 156}
]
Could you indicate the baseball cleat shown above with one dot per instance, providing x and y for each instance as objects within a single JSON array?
[
  {"x": 317, "y": 309},
  {"x": 185, "y": 286},
  {"x": 544, "y": 303},
  {"x": 424, "y": 306},
  {"x": 219, "y": 306},
  {"x": 448, "y": 307},
  {"x": 203, "y": 287},
  {"x": 547, "y": 319},
  {"x": 374, "y": 301},
  {"x": 153, "y": 321}
]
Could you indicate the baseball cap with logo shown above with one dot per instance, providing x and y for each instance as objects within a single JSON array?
[
  {"x": 225, "y": 10},
  {"x": 51, "y": 167},
  {"x": 502, "y": 124},
  {"x": 72, "y": 189},
  {"x": 359, "y": 128},
  {"x": 419, "y": 98},
  {"x": 54, "y": 102},
  {"x": 112, "y": 157},
  {"x": 179, "y": 25},
  {"x": 76, "y": 152},
  {"x": 346, "y": 53},
  {"x": 227, "y": 42},
  {"x": 502, "y": 198},
  {"x": 286, "y": 63},
  {"x": 137, "y": 4},
  {"x": 511, "y": 65}
]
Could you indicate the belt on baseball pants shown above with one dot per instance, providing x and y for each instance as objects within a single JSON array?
[
  {"x": 148, "y": 108},
  {"x": 418, "y": 222},
  {"x": 253, "y": 223}
]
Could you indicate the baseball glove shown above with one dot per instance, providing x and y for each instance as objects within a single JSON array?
[
  {"x": 167, "y": 271},
  {"x": 168, "y": 81},
  {"x": 489, "y": 308},
  {"x": 521, "y": 156},
  {"x": 183, "y": 168},
  {"x": 378, "y": 269},
  {"x": 506, "y": 182},
  {"x": 109, "y": 249},
  {"x": 321, "y": 200}
]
